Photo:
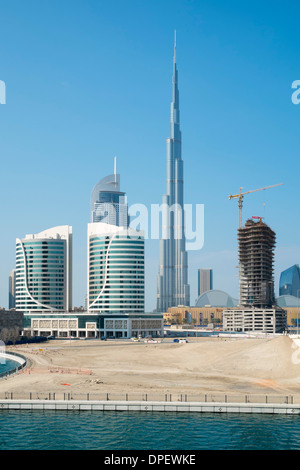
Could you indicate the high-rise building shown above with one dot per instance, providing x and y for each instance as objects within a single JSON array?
[
  {"x": 108, "y": 203},
  {"x": 44, "y": 271},
  {"x": 257, "y": 310},
  {"x": 289, "y": 283},
  {"x": 116, "y": 271},
  {"x": 205, "y": 280},
  {"x": 12, "y": 289},
  {"x": 256, "y": 263},
  {"x": 173, "y": 288}
]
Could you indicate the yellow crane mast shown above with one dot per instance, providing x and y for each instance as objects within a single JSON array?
[{"x": 240, "y": 196}]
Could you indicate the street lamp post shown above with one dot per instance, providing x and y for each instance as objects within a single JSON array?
[{"x": 297, "y": 309}]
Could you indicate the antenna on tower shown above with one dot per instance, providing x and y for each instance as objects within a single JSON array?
[{"x": 175, "y": 46}]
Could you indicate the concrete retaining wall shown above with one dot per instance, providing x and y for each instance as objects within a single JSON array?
[
  {"x": 13, "y": 357},
  {"x": 190, "y": 407}
]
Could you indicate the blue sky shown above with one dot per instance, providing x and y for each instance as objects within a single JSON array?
[{"x": 87, "y": 80}]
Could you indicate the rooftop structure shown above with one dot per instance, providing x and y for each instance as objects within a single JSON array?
[
  {"x": 216, "y": 298},
  {"x": 108, "y": 203},
  {"x": 288, "y": 301}
]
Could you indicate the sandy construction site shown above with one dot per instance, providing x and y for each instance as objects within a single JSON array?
[{"x": 203, "y": 365}]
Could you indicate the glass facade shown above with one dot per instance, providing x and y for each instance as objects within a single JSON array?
[
  {"x": 116, "y": 273},
  {"x": 108, "y": 203},
  {"x": 289, "y": 283},
  {"x": 42, "y": 274}
]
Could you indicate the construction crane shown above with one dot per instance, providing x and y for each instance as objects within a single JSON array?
[{"x": 240, "y": 196}]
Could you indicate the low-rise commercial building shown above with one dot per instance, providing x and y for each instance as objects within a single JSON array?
[
  {"x": 291, "y": 305},
  {"x": 208, "y": 309},
  {"x": 193, "y": 315},
  {"x": 272, "y": 320},
  {"x": 94, "y": 325}
]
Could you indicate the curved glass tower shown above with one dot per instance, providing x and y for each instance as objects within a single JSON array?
[
  {"x": 173, "y": 288},
  {"x": 43, "y": 271},
  {"x": 108, "y": 203},
  {"x": 289, "y": 283},
  {"x": 115, "y": 269}
]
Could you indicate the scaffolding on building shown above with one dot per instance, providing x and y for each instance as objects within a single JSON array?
[{"x": 256, "y": 258}]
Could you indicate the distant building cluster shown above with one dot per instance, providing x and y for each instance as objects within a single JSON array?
[
  {"x": 40, "y": 286},
  {"x": 257, "y": 309}
]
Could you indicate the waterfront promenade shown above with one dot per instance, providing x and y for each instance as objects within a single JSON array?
[
  {"x": 151, "y": 406},
  {"x": 205, "y": 374}
]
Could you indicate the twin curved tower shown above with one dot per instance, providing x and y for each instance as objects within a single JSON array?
[{"x": 44, "y": 271}]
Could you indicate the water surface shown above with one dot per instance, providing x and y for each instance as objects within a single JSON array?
[{"x": 110, "y": 430}]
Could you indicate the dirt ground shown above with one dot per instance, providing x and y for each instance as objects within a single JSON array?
[{"x": 203, "y": 365}]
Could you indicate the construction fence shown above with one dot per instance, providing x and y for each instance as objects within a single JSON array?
[{"x": 155, "y": 397}]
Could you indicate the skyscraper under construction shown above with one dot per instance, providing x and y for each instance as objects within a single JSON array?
[
  {"x": 256, "y": 263},
  {"x": 257, "y": 310}
]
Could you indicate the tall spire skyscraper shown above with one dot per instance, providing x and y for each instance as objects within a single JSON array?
[{"x": 173, "y": 288}]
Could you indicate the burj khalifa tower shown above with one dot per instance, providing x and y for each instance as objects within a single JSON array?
[{"x": 173, "y": 288}]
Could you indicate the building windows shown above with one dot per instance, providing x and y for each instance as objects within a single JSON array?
[
  {"x": 116, "y": 272},
  {"x": 43, "y": 264}
]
